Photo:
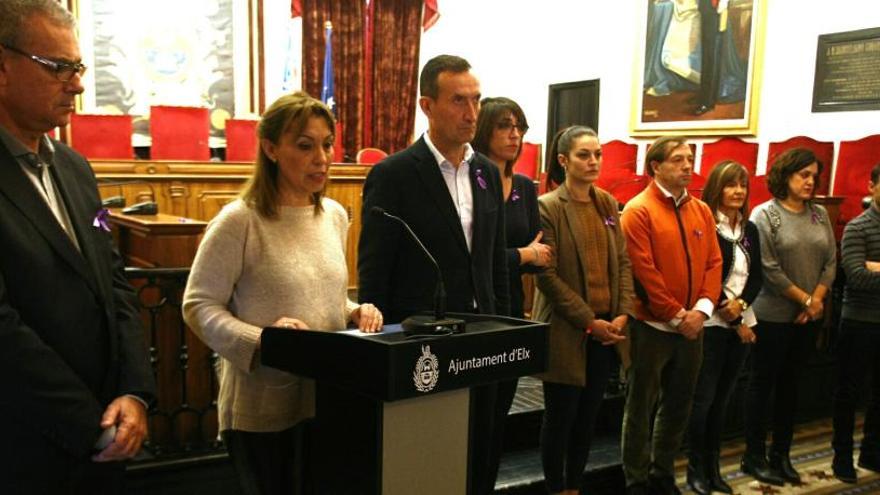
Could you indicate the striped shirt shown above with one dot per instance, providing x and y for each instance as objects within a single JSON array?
[{"x": 861, "y": 243}]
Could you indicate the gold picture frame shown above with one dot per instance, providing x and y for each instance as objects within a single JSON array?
[
  {"x": 168, "y": 52},
  {"x": 670, "y": 94}
]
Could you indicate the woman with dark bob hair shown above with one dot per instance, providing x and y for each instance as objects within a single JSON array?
[
  {"x": 728, "y": 333},
  {"x": 586, "y": 294},
  {"x": 274, "y": 257},
  {"x": 799, "y": 258},
  {"x": 501, "y": 126}
]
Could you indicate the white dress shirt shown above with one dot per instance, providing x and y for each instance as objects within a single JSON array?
[
  {"x": 458, "y": 182},
  {"x": 735, "y": 283}
]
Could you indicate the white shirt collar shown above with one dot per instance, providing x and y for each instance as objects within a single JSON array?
[
  {"x": 669, "y": 194},
  {"x": 468, "y": 151},
  {"x": 723, "y": 225}
]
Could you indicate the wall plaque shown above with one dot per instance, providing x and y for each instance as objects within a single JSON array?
[{"x": 847, "y": 71}]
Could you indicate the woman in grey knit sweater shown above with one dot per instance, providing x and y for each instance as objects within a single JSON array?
[
  {"x": 799, "y": 258},
  {"x": 274, "y": 257}
]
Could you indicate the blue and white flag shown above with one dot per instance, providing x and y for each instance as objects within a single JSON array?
[{"x": 327, "y": 91}]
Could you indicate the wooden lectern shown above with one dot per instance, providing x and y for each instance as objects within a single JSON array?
[
  {"x": 392, "y": 411},
  {"x": 156, "y": 241}
]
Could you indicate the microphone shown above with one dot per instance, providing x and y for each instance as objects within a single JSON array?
[
  {"x": 149, "y": 207},
  {"x": 423, "y": 324}
]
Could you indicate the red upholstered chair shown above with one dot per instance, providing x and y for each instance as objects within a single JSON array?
[
  {"x": 241, "y": 140},
  {"x": 824, "y": 152},
  {"x": 698, "y": 182},
  {"x": 625, "y": 190},
  {"x": 617, "y": 155},
  {"x": 102, "y": 136},
  {"x": 529, "y": 161},
  {"x": 758, "y": 192},
  {"x": 370, "y": 156},
  {"x": 854, "y": 163},
  {"x": 729, "y": 148},
  {"x": 179, "y": 133},
  {"x": 618, "y": 164}
]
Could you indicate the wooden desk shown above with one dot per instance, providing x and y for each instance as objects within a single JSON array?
[
  {"x": 156, "y": 241},
  {"x": 198, "y": 190},
  {"x": 183, "y": 366}
]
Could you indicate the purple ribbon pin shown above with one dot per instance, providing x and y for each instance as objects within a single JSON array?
[
  {"x": 698, "y": 233},
  {"x": 480, "y": 180},
  {"x": 514, "y": 194},
  {"x": 100, "y": 221},
  {"x": 816, "y": 219},
  {"x": 610, "y": 221},
  {"x": 745, "y": 242}
]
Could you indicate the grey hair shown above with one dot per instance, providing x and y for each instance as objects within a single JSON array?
[{"x": 15, "y": 12}]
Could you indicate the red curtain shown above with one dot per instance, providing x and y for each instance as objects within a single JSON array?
[
  {"x": 395, "y": 72},
  {"x": 376, "y": 108},
  {"x": 348, "y": 61}
]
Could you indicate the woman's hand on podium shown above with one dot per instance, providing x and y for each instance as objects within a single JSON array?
[
  {"x": 292, "y": 323},
  {"x": 368, "y": 318}
]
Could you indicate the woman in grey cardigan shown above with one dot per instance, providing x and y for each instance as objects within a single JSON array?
[
  {"x": 585, "y": 293},
  {"x": 799, "y": 257},
  {"x": 274, "y": 257}
]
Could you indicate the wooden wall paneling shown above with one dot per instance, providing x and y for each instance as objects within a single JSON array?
[
  {"x": 199, "y": 190},
  {"x": 209, "y": 199}
]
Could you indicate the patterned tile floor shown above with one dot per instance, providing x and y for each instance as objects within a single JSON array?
[{"x": 521, "y": 471}]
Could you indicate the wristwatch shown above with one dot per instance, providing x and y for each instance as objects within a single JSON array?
[
  {"x": 808, "y": 301},
  {"x": 743, "y": 304}
]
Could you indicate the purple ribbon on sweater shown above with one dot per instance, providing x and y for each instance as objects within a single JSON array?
[
  {"x": 610, "y": 221},
  {"x": 100, "y": 221},
  {"x": 514, "y": 194},
  {"x": 480, "y": 180}
]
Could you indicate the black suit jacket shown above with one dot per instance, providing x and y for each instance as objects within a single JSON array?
[
  {"x": 70, "y": 336},
  {"x": 394, "y": 274}
]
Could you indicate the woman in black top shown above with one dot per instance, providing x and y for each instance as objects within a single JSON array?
[
  {"x": 501, "y": 125},
  {"x": 728, "y": 332}
]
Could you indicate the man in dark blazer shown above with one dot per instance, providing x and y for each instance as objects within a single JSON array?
[
  {"x": 451, "y": 197},
  {"x": 74, "y": 376}
]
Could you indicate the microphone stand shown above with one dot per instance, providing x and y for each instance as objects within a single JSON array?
[{"x": 427, "y": 325}]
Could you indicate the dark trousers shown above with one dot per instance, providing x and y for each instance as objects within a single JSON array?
[
  {"x": 504, "y": 399},
  {"x": 858, "y": 356},
  {"x": 269, "y": 463},
  {"x": 723, "y": 357},
  {"x": 780, "y": 353},
  {"x": 31, "y": 464},
  {"x": 570, "y": 414},
  {"x": 483, "y": 423},
  {"x": 659, "y": 394}
]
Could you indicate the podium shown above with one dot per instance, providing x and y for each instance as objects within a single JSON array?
[{"x": 392, "y": 412}]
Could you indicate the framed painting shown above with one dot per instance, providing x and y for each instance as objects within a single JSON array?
[
  {"x": 698, "y": 67},
  {"x": 197, "y": 53}
]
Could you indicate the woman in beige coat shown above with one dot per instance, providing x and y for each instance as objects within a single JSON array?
[{"x": 586, "y": 295}]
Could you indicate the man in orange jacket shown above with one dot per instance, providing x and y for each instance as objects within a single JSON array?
[{"x": 676, "y": 266}]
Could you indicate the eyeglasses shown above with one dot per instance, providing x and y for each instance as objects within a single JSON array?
[
  {"x": 63, "y": 71},
  {"x": 507, "y": 125}
]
